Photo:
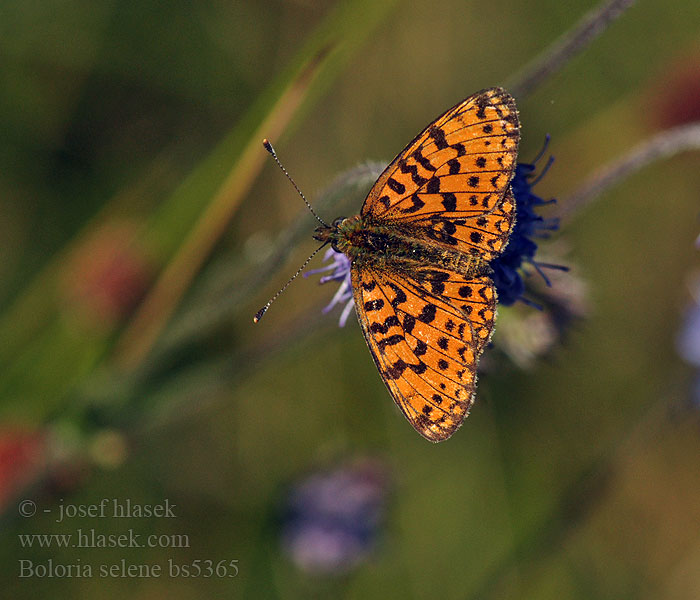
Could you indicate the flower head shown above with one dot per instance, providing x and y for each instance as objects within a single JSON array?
[
  {"x": 332, "y": 518},
  {"x": 22, "y": 456},
  {"x": 675, "y": 97},
  {"x": 529, "y": 226},
  {"x": 688, "y": 338},
  {"x": 107, "y": 275}
]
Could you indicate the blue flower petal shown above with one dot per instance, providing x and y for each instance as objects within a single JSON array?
[{"x": 522, "y": 247}]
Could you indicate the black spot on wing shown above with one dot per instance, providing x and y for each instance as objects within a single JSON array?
[
  {"x": 460, "y": 148},
  {"x": 392, "y": 340},
  {"x": 413, "y": 170},
  {"x": 438, "y": 136},
  {"x": 441, "y": 235},
  {"x": 400, "y": 297},
  {"x": 433, "y": 186},
  {"x": 373, "y": 305},
  {"x": 481, "y": 103},
  {"x": 396, "y": 186},
  {"x": 422, "y": 161},
  {"x": 437, "y": 287},
  {"x": 418, "y": 368},
  {"x": 395, "y": 371},
  {"x": 368, "y": 286},
  {"x": 436, "y": 280},
  {"x": 416, "y": 205},
  {"x": 421, "y": 348},
  {"x": 449, "y": 201},
  {"x": 392, "y": 321},
  {"x": 427, "y": 315}
]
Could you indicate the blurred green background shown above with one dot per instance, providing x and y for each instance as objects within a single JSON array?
[{"x": 143, "y": 225}]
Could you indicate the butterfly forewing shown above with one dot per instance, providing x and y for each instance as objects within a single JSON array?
[{"x": 450, "y": 183}]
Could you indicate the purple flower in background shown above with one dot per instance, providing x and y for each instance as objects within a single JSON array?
[
  {"x": 688, "y": 338},
  {"x": 332, "y": 518}
]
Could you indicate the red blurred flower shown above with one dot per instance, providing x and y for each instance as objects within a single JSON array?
[
  {"x": 677, "y": 94},
  {"x": 22, "y": 457},
  {"x": 108, "y": 274}
]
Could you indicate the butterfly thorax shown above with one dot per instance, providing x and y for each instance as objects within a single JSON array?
[{"x": 395, "y": 247}]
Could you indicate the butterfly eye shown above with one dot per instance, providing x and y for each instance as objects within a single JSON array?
[{"x": 338, "y": 221}]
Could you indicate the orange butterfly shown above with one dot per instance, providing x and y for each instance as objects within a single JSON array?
[{"x": 420, "y": 253}]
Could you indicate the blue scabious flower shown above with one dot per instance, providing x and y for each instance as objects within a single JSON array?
[
  {"x": 521, "y": 248},
  {"x": 332, "y": 518}
]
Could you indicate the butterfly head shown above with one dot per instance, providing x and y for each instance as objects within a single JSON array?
[{"x": 339, "y": 233}]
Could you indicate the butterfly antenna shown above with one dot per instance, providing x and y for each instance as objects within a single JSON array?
[
  {"x": 271, "y": 150},
  {"x": 263, "y": 310}
]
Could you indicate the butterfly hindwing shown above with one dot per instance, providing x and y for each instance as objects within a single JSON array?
[
  {"x": 474, "y": 297},
  {"x": 425, "y": 347}
]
